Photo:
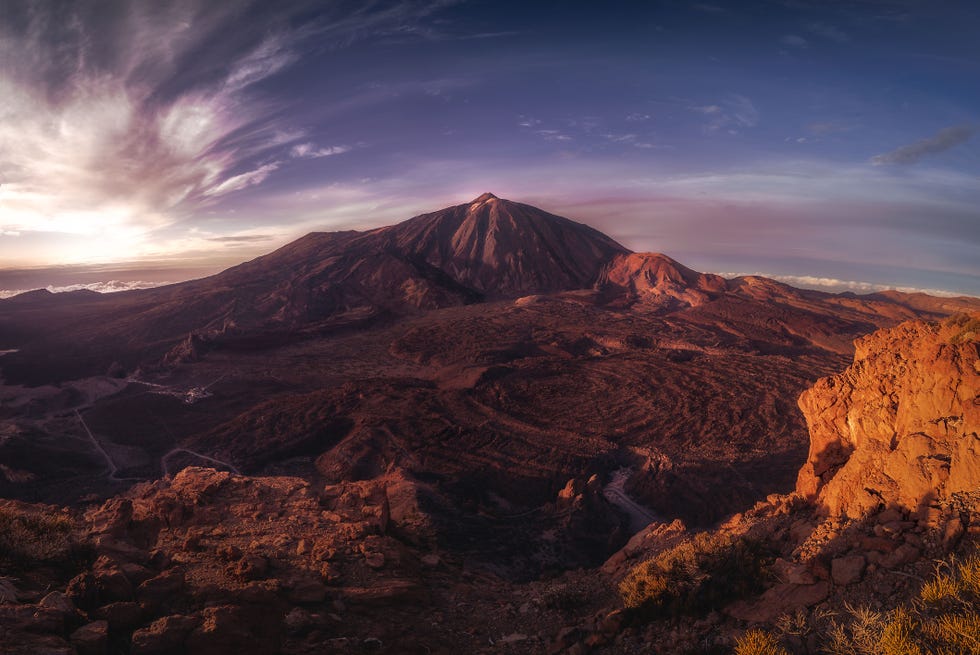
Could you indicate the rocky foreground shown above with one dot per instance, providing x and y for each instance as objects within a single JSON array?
[{"x": 207, "y": 561}]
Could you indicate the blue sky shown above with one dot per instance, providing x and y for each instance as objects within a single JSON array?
[{"x": 829, "y": 143}]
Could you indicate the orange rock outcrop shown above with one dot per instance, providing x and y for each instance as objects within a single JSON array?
[{"x": 900, "y": 426}]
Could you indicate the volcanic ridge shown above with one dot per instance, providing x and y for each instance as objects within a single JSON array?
[{"x": 494, "y": 427}]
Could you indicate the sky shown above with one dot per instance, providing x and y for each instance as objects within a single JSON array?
[{"x": 828, "y": 143}]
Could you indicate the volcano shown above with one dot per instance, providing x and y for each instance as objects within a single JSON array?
[
  {"x": 469, "y": 402},
  {"x": 486, "y": 250}
]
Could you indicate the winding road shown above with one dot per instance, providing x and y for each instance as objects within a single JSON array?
[
  {"x": 114, "y": 470},
  {"x": 98, "y": 446},
  {"x": 615, "y": 493}
]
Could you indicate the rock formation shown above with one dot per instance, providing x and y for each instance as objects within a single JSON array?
[
  {"x": 656, "y": 277},
  {"x": 900, "y": 426}
]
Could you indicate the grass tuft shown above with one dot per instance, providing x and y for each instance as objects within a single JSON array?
[{"x": 757, "y": 642}]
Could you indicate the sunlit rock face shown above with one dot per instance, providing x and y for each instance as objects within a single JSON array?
[
  {"x": 656, "y": 277},
  {"x": 900, "y": 426}
]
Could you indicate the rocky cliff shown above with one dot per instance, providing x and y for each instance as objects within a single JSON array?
[{"x": 900, "y": 426}]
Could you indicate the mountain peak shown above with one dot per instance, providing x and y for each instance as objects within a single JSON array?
[
  {"x": 502, "y": 248},
  {"x": 484, "y": 198}
]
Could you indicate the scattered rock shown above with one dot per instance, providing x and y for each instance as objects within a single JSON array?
[
  {"x": 780, "y": 599},
  {"x": 163, "y": 589},
  {"x": 952, "y": 533},
  {"x": 58, "y": 602},
  {"x": 165, "y": 635},
  {"x": 904, "y": 554},
  {"x": 375, "y": 560},
  {"x": 305, "y": 588},
  {"x": 122, "y": 616},
  {"x": 8, "y": 591},
  {"x": 251, "y": 567},
  {"x": 83, "y": 591},
  {"x": 91, "y": 639},
  {"x": 113, "y": 585},
  {"x": 847, "y": 570},
  {"x": 233, "y": 630},
  {"x": 793, "y": 572}
]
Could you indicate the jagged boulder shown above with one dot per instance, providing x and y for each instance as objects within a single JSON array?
[{"x": 899, "y": 428}]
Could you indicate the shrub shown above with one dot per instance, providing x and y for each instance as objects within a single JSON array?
[
  {"x": 27, "y": 536},
  {"x": 564, "y": 596},
  {"x": 969, "y": 328},
  {"x": 944, "y": 620},
  {"x": 757, "y": 642},
  {"x": 698, "y": 575}
]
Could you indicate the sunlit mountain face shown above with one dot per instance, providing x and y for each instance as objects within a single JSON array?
[{"x": 827, "y": 144}]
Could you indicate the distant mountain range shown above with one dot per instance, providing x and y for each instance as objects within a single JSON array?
[{"x": 485, "y": 250}]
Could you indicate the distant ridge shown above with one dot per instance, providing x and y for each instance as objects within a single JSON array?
[{"x": 484, "y": 250}]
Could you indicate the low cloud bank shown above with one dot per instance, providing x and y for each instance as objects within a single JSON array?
[
  {"x": 109, "y": 286},
  {"x": 834, "y": 284}
]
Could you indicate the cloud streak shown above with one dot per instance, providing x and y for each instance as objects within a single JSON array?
[
  {"x": 944, "y": 140},
  {"x": 311, "y": 151},
  {"x": 117, "y": 122}
]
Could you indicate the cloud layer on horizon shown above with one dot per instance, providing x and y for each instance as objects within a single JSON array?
[{"x": 109, "y": 286}]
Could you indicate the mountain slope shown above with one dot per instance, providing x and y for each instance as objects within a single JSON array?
[
  {"x": 487, "y": 249},
  {"x": 504, "y": 248}
]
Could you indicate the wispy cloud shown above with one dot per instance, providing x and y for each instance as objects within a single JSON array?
[
  {"x": 120, "y": 141},
  {"x": 117, "y": 124},
  {"x": 245, "y": 238},
  {"x": 828, "y": 31},
  {"x": 733, "y": 114},
  {"x": 794, "y": 41},
  {"x": 243, "y": 180},
  {"x": 553, "y": 135},
  {"x": 312, "y": 151},
  {"x": 708, "y": 8},
  {"x": 945, "y": 139},
  {"x": 822, "y": 128}
]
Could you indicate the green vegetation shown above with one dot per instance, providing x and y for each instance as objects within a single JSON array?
[
  {"x": 969, "y": 328},
  {"x": 27, "y": 537},
  {"x": 943, "y": 620},
  {"x": 698, "y": 575}
]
